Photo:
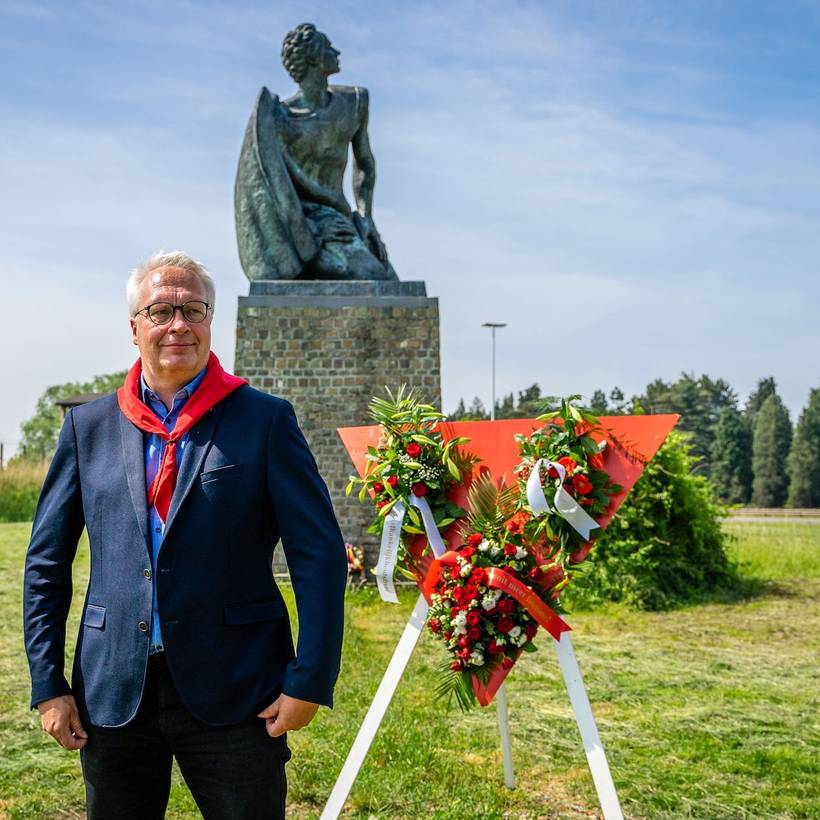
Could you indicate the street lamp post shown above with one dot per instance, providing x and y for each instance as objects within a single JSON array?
[
  {"x": 501, "y": 695},
  {"x": 493, "y": 326}
]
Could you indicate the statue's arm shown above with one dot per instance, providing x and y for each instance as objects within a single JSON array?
[{"x": 364, "y": 163}]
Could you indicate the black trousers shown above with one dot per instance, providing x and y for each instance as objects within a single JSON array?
[{"x": 233, "y": 772}]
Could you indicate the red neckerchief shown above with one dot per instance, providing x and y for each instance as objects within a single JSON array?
[{"x": 212, "y": 389}]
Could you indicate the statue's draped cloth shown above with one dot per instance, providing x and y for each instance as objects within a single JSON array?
[{"x": 281, "y": 233}]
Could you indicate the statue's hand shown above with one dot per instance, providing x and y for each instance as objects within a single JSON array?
[
  {"x": 338, "y": 229},
  {"x": 370, "y": 236}
]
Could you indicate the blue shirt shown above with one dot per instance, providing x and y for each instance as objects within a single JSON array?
[{"x": 154, "y": 448}]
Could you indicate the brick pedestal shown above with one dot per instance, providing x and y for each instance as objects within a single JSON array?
[{"x": 328, "y": 347}]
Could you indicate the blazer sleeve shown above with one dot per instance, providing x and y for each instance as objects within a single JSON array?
[
  {"x": 58, "y": 524},
  {"x": 316, "y": 558}
]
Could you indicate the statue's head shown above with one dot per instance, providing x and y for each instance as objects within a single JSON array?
[{"x": 305, "y": 49}]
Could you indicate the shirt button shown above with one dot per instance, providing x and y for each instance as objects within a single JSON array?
[
  {"x": 143, "y": 626},
  {"x": 158, "y": 530},
  {"x": 146, "y": 573}
]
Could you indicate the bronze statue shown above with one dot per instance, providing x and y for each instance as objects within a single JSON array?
[{"x": 292, "y": 218}]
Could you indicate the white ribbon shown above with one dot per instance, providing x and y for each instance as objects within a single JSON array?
[
  {"x": 430, "y": 528},
  {"x": 391, "y": 535},
  {"x": 565, "y": 505},
  {"x": 389, "y": 552}
]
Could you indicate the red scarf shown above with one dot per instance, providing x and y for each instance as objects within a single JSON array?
[{"x": 212, "y": 389}]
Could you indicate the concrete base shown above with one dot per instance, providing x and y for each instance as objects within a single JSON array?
[{"x": 328, "y": 347}]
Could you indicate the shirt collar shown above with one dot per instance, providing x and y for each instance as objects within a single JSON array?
[{"x": 184, "y": 392}]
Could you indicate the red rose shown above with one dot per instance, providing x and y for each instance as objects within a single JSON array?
[
  {"x": 505, "y": 624},
  {"x": 435, "y": 625},
  {"x": 513, "y": 526},
  {"x": 392, "y": 480},
  {"x": 467, "y": 552},
  {"x": 473, "y": 617},
  {"x": 419, "y": 489},
  {"x": 474, "y": 633},
  {"x": 581, "y": 484},
  {"x": 455, "y": 573},
  {"x": 448, "y": 634},
  {"x": 569, "y": 464},
  {"x": 456, "y": 666},
  {"x": 470, "y": 591},
  {"x": 552, "y": 472},
  {"x": 474, "y": 539},
  {"x": 493, "y": 648},
  {"x": 510, "y": 549},
  {"x": 378, "y": 486},
  {"x": 464, "y": 653},
  {"x": 454, "y": 611},
  {"x": 506, "y": 605},
  {"x": 464, "y": 641},
  {"x": 552, "y": 576},
  {"x": 382, "y": 503},
  {"x": 507, "y": 663},
  {"x": 534, "y": 573},
  {"x": 530, "y": 629},
  {"x": 478, "y": 575},
  {"x": 493, "y": 611},
  {"x": 412, "y": 449}
]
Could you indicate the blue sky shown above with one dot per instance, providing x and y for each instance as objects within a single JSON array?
[{"x": 633, "y": 187}]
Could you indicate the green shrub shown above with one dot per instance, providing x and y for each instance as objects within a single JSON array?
[
  {"x": 665, "y": 546},
  {"x": 20, "y": 485}
]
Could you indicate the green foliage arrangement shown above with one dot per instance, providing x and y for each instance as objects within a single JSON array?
[
  {"x": 665, "y": 546},
  {"x": 20, "y": 484}
]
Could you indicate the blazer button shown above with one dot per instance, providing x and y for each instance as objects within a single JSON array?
[
  {"x": 143, "y": 626},
  {"x": 147, "y": 573}
]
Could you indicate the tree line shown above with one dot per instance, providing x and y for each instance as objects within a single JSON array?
[{"x": 751, "y": 454}]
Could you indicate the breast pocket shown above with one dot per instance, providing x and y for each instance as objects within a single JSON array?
[{"x": 219, "y": 473}]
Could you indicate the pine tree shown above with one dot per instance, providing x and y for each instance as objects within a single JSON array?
[
  {"x": 699, "y": 402},
  {"x": 765, "y": 387},
  {"x": 804, "y": 456},
  {"x": 460, "y": 412},
  {"x": 731, "y": 458},
  {"x": 770, "y": 449},
  {"x": 598, "y": 403},
  {"x": 476, "y": 411}
]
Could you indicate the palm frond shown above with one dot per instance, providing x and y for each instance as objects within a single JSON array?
[{"x": 490, "y": 505}]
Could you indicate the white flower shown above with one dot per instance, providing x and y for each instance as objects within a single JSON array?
[
  {"x": 514, "y": 632},
  {"x": 495, "y": 551},
  {"x": 488, "y": 601},
  {"x": 460, "y": 619},
  {"x": 466, "y": 570},
  {"x": 520, "y": 553},
  {"x": 477, "y": 659},
  {"x": 459, "y": 630},
  {"x": 520, "y": 640},
  {"x": 484, "y": 545}
]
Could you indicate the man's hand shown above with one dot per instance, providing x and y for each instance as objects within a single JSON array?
[
  {"x": 286, "y": 714},
  {"x": 61, "y": 720}
]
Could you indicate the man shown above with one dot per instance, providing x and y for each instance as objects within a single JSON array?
[
  {"x": 184, "y": 480},
  {"x": 292, "y": 217}
]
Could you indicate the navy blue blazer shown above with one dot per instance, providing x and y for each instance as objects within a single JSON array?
[{"x": 246, "y": 479}]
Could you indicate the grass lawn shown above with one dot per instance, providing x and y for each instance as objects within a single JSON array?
[{"x": 705, "y": 712}]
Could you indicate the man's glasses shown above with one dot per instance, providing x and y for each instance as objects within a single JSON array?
[{"x": 161, "y": 313}]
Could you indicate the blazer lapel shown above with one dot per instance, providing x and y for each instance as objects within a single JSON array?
[
  {"x": 199, "y": 441},
  {"x": 133, "y": 452}
]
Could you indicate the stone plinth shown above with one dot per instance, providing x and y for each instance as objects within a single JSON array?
[{"x": 328, "y": 347}]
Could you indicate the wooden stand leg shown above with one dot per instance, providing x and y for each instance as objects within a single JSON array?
[
  {"x": 375, "y": 714},
  {"x": 593, "y": 747}
]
